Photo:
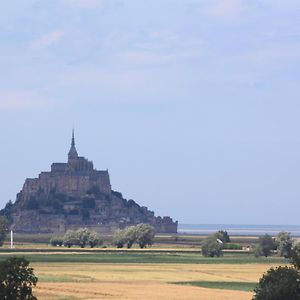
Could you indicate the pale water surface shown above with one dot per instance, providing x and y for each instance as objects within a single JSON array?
[{"x": 238, "y": 229}]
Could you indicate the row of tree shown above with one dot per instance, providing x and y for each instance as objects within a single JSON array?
[
  {"x": 141, "y": 234},
  {"x": 81, "y": 237},
  {"x": 283, "y": 244}
]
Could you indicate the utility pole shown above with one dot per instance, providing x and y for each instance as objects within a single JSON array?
[{"x": 11, "y": 239}]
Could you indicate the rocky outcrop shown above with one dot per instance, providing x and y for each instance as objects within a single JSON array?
[{"x": 74, "y": 195}]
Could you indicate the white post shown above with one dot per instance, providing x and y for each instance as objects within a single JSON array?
[{"x": 11, "y": 239}]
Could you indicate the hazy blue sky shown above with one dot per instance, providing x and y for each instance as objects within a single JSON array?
[{"x": 192, "y": 105}]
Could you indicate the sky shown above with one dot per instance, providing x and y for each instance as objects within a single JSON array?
[{"x": 192, "y": 105}]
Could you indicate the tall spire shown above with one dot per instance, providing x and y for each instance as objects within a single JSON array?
[
  {"x": 73, "y": 153},
  {"x": 73, "y": 139}
]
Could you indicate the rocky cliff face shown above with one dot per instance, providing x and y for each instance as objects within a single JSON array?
[{"x": 74, "y": 195}]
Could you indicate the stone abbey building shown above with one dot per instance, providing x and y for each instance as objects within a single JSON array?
[{"x": 74, "y": 195}]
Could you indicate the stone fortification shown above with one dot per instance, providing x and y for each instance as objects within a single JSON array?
[{"x": 74, "y": 195}]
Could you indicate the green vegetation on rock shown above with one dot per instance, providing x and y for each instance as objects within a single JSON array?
[{"x": 3, "y": 229}]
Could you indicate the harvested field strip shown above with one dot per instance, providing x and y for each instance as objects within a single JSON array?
[
  {"x": 72, "y": 272},
  {"x": 144, "y": 258},
  {"x": 222, "y": 285},
  {"x": 134, "y": 291}
]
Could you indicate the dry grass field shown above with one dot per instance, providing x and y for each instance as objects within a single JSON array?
[
  {"x": 135, "y": 291},
  {"x": 169, "y": 270},
  {"x": 67, "y": 281}
]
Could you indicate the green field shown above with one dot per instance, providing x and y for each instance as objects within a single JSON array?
[
  {"x": 223, "y": 285},
  {"x": 145, "y": 258},
  {"x": 176, "y": 241}
]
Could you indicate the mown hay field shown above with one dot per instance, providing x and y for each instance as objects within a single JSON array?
[{"x": 62, "y": 281}]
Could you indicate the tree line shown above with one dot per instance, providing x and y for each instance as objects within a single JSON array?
[
  {"x": 282, "y": 245},
  {"x": 81, "y": 237},
  {"x": 140, "y": 234}
]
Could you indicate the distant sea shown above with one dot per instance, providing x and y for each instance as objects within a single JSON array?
[{"x": 238, "y": 229}]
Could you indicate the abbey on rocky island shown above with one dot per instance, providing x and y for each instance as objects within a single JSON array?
[{"x": 74, "y": 195}]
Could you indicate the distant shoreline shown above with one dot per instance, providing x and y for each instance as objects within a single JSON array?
[{"x": 238, "y": 229}]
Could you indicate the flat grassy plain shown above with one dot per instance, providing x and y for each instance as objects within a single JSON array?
[{"x": 165, "y": 271}]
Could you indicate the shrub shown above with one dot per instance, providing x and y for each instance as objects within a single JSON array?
[
  {"x": 211, "y": 247},
  {"x": 56, "y": 241}
]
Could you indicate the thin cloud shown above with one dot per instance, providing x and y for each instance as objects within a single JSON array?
[
  {"x": 158, "y": 48},
  {"x": 226, "y": 9},
  {"x": 157, "y": 40},
  {"x": 147, "y": 58},
  {"x": 85, "y": 3},
  {"x": 21, "y": 100},
  {"x": 47, "y": 39}
]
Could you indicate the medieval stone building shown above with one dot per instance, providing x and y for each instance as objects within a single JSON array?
[{"x": 74, "y": 195}]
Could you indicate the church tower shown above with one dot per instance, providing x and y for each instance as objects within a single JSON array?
[{"x": 72, "y": 155}]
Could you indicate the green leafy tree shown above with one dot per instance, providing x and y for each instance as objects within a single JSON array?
[
  {"x": 94, "y": 239},
  {"x": 223, "y": 236},
  {"x": 130, "y": 235},
  {"x": 257, "y": 251},
  {"x": 56, "y": 241},
  {"x": 144, "y": 235},
  {"x": 3, "y": 229},
  {"x": 16, "y": 279},
  {"x": 70, "y": 239},
  {"x": 211, "y": 247},
  {"x": 282, "y": 283},
  {"x": 82, "y": 237},
  {"x": 284, "y": 243},
  {"x": 265, "y": 246},
  {"x": 119, "y": 238}
]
